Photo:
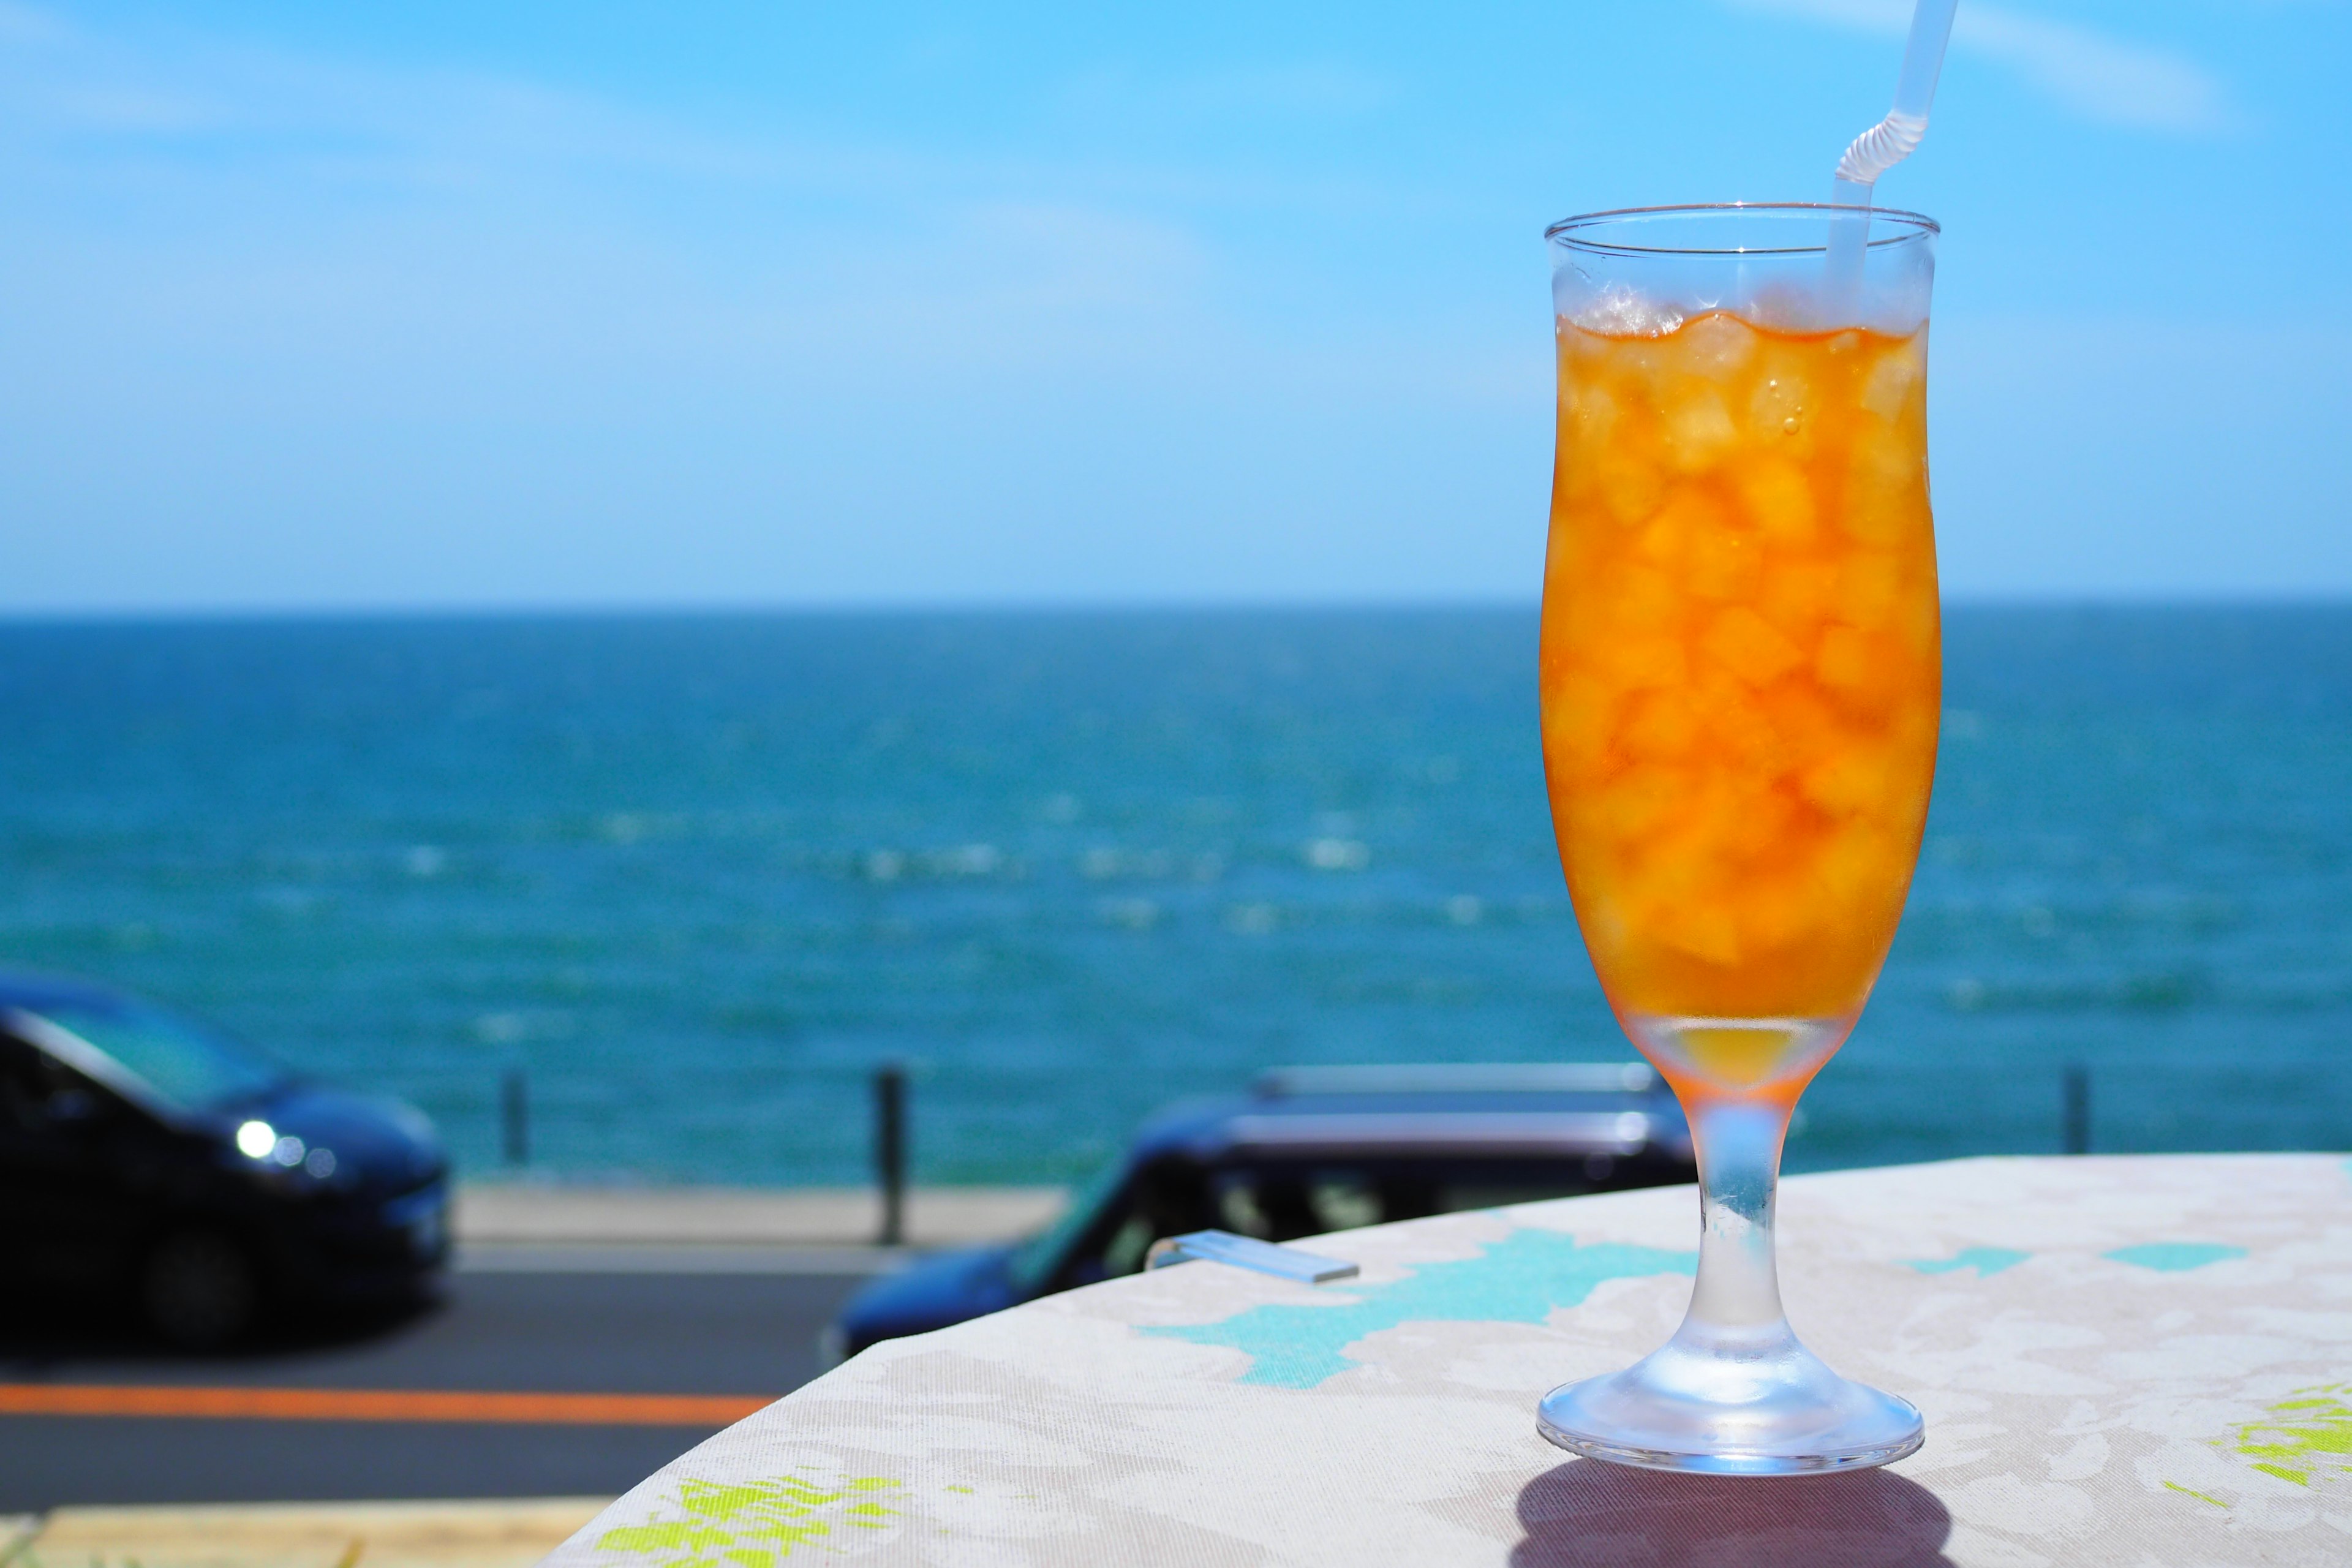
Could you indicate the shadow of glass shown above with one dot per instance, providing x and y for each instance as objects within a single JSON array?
[{"x": 1592, "y": 1515}]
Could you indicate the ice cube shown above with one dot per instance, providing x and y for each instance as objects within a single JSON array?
[
  {"x": 1660, "y": 727},
  {"x": 1589, "y": 419},
  {"x": 1796, "y": 594},
  {"x": 1699, "y": 431},
  {"x": 1662, "y": 539},
  {"x": 1852, "y": 781},
  {"x": 1638, "y": 801},
  {"x": 1620, "y": 312},
  {"x": 1736, "y": 721},
  {"x": 1581, "y": 348},
  {"x": 1714, "y": 345},
  {"x": 1633, "y": 663},
  {"x": 1777, "y": 911},
  {"x": 1759, "y": 825},
  {"x": 1725, "y": 562},
  {"x": 1780, "y": 407},
  {"x": 1886, "y": 486},
  {"x": 1587, "y": 408},
  {"x": 1695, "y": 925},
  {"x": 1861, "y": 863},
  {"x": 1779, "y": 500},
  {"x": 1745, "y": 644},
  {"x": 1888, "y": 386},
  {"x": 1629, "y": 487},
  {"x": 1870, "y": 589},
  {"x": 1855, "y": 666},
  {"x": 1804, "y": 722},
  {"x": 1667, "y": 536}
]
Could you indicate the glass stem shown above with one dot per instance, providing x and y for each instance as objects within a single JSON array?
[{"x": 1736, "y": 1303}]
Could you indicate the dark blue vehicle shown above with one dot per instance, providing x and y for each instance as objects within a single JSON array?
[
  {"x": 148, "y": 1161},
  {"x": 1312, "y": 1150}
]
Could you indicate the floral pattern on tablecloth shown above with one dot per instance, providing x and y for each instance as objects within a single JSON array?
[
  {"x": 2130, "y": 1361},
  {"x": 752, "y": 1521}
]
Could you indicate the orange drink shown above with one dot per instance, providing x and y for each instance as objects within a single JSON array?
[{"x": 1740, "y": 678}]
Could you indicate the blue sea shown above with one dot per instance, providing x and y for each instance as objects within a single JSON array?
[{"x": 698, "y": 876}]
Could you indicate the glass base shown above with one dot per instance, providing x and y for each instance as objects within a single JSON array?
[{"x": 1775, "y": 1410}]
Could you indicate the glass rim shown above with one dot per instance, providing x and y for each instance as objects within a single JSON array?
[{"x": 1566, "y": 232}]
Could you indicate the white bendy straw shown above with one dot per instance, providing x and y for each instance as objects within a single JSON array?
[{"x": 1888, "y": 142}]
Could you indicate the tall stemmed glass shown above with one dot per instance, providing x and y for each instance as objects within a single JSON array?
[{"x": 1741, "y": 672}]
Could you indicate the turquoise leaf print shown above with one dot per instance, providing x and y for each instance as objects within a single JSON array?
[
  {"x": 1520, "y": 1279},
  {"x": 1986, "y": 1261},
  {"x": 2175, "y": 1256}
]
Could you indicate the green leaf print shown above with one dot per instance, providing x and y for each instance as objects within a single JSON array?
[{"x": 752, "y": 1524}]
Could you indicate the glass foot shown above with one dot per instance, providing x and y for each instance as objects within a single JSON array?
[{"x": 1775, "y": 1410}]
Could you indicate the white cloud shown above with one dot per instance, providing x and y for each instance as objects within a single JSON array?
[
  {"x": 2105, "y": 78},
  {"x": 380, "y": 334},
  {"x": 299, "y": 164},
  {"x": 2108, "y": 80}
]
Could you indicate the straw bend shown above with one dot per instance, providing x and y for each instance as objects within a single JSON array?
[{"x": 1881, "y": 147}]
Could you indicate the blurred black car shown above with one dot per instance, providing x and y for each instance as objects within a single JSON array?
[
  {"x": 148, "y": 1161},
  {"x": 1312, "y": 1150}
]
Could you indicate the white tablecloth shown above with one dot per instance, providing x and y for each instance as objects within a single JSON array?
[{"x": 2126, "y": 1360}]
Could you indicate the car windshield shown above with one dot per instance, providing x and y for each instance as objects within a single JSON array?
[
  {"x": 184, "y": 1063},
  {"x": 1042, "y": 1252}
]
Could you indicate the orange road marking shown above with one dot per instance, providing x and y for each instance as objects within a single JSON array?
[{"x": 376, "y": 1405}]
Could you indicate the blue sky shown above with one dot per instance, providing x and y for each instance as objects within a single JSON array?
[{"x": 539, "y": 305}]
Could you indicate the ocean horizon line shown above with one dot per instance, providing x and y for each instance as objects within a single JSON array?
[{"x": 1073, "y": 609}]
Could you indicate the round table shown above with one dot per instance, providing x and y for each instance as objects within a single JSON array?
[{"x": 2130, "y": 1361}]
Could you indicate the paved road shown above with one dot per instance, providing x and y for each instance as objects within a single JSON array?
[{"x": 603, "y": 1332}]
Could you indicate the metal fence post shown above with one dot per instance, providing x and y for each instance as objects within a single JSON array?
[
  {"x": 2078, "y": 1110},
  {"x": 890, "y": 1150},
  {"x": 514, "y": 1114}
]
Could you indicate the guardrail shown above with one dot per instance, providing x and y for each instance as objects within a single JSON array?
[
  {"x": 890, "y": 1140},
  {"x": 891, "y": 1151}
]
